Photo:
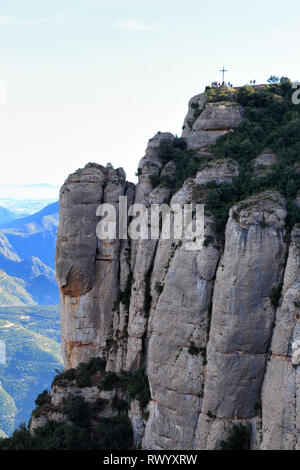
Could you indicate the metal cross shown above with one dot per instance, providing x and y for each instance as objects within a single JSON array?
[{"x": 223, "y": 73}]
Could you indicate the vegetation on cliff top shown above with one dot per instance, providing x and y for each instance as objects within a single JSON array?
[
  {"x": 271, "y": 121},
  {"x": 84, "y": 428}
]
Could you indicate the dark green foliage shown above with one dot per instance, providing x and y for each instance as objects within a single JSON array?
[
  {"x": 109, "y": 434},
  {"x": 207, "y": 240},
  {"x": 186, "y": 161},
  {"x": 111, "y": 344},
  {"x": 219, "y": 94},
  {"x": 272, "y": 121},
  {"x": 68, "y": 375},
  {"x": 85, "y": 430},
  {"x": 275, "y": 295},
  {"x": 244, "y": 95},
  {"x": 155, "y": 179},
  {"x": 110, "y": 381},
  {"x": 238, "y": 439},
  {"x": 120, "y": 405},
  {"x": 42, "y": 398},
  {"x": 43, "y": 403},
  {"x": 147, "y": 294},
  {"x": 82, "y": 375},
  {"x": 134, "y": 383},
  {"x": 60, "y": 436},
  {"x": 203, "y": 353},
  {"x": 138, "y": 387},
  {"x": 193, "y": 350},
  {"x": 20, "y": 440},
  {"x": 263, "y": 224},
  {"x": 273, "y": 79},
  {"x": 165, "y": 152},
  {"x": 258, "y": 408},
  {"x": 96, "y": 364},
  {"x": 197, "y": 113},
  {"x": 114, "y": 433},
  {"x": 98, "y": 406},
  {"x": 159, "y": 287},
  {"x": 77, "y": 410},
  {"x": 124, "y": 296}
]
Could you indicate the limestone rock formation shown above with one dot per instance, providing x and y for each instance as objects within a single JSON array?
[
  {"x": 280, "y": 397},
  {"x": 220, "y": 171},
  {"x": 262, "y": 164},
  {"x": 215, "y": 331},
  {"x": 205, "y": 122},
  {"x": 242, "y": 315},
  {"x": 84, "y": 266}
]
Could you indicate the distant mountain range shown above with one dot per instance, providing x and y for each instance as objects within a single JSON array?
[
  {"x": 27, "y": 248},
  {"x": 26, "y": 199},
  {"x": 32, "y": 336},
  {"x": 6, "y": 215},
  {"x": 29, "y": 312}
]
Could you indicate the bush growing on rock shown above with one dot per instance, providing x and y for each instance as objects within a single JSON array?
[
  {"x": 77, "y": 410},
  {"x": 238, "y": 438},
  {"x": 42, "y": 398}
]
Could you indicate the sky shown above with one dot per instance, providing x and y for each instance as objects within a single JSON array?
[{"x": 94, "y": 80}]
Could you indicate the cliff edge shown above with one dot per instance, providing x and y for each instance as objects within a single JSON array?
[{"x": 202, "y": 347}]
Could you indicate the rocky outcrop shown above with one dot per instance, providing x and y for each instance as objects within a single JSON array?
[
  {"x": 180, "y": 328},
  {"x": 84, "y": 265},
  {"x": 242, "y": 315},
  {"x": 281, "y": 390},
  {"x": 205, "y": 122},
  {"x": 220, "y": 171},
  {"x": 215, "y": 330},
  {"x": 263, "y": 163}
]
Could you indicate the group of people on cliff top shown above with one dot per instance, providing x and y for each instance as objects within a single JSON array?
[{"x": 219, "y": 85}]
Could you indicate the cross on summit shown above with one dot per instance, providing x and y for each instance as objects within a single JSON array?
[{"x": 223, "y": 74}]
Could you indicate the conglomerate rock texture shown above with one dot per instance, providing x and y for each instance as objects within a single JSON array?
[{"x": 216, "y": 349}]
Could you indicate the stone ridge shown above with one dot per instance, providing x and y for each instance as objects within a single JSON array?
[
  {"x": 206, "y": 121},
  {"x": 217, "y": 348}
]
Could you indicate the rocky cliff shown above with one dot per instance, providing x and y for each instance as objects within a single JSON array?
[{"x": 216, "y": 331}]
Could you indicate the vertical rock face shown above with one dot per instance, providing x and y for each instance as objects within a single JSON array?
[
  {"x": 84, "y": 266},
  {"x": 281, "y": 390},
  {"x": 175, "y": 373},
  {"x": 77, "y": 243},
  {"x": 211, "y": 328},
  {"x": 262, "y": 164},
  {"x": 242, "y": 315},
  {"x": 205, "y": 122}
]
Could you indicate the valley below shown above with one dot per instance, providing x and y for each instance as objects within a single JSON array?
[{"x": 31, "y": 336}]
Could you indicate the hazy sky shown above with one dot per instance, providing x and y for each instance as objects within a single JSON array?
[{"x": 93, "y": 80}]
